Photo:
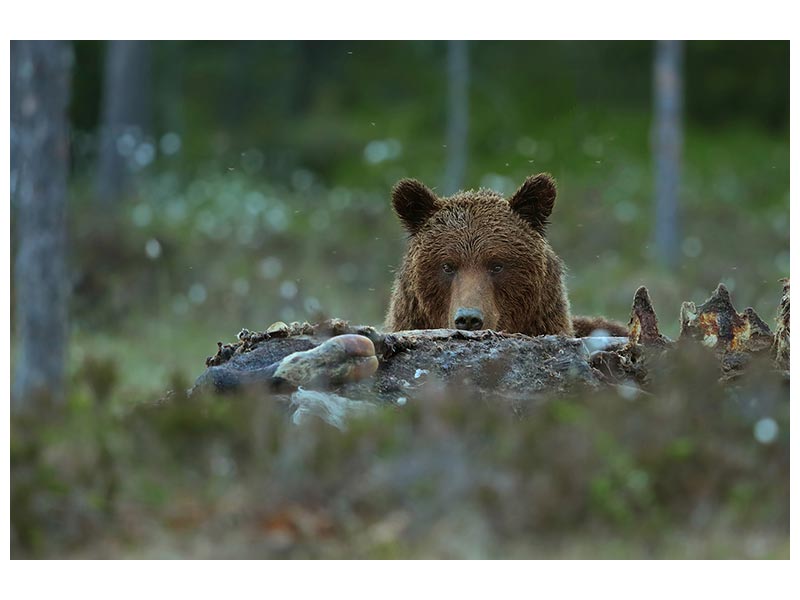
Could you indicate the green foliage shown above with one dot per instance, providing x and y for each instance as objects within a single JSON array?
[{"x": 235, "y": 470}]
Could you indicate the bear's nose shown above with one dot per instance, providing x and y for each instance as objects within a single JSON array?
[{"x": 469, "y": 319}]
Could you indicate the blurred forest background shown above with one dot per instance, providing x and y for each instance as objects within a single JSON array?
[{"x": 196, "y": 188}]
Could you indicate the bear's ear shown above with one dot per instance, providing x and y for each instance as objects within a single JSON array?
[
  {"x": 534, "y": 200},
  {"x": 414, "y": 204}
]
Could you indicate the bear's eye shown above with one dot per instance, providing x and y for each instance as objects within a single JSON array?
[
  {"x": 448, "y": 268},
  {"x": 495, "y": 268}
]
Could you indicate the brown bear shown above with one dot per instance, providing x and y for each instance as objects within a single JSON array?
[{"x": 478, "y": 261}]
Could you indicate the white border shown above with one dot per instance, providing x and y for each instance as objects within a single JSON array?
[
  {"x": 412, "y": 19},
  {"x": 399, "y": 20}
]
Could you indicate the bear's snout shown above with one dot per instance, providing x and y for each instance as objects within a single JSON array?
[
  {"x": 469, "y": 319},
  {"x": 472, "y": 304}
]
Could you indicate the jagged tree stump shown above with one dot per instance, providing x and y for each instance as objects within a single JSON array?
[
  {"x": 359, "y": 363},
  {"x": 782, "y": 331}
]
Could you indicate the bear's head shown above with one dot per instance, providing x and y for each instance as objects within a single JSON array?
[{"x": 476, "y": 260}]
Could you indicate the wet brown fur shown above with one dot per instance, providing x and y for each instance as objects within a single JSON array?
[{"x": 474, "y": 233}]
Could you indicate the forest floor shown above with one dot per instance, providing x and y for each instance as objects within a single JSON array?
[{"x": 455, "y": 538}]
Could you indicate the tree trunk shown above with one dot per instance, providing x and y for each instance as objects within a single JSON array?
[
  {"x": 40, "y": 80},
  {"x": 171, "y": 86},
  {"x": 125, "y": 118},
  {"x": 667, "y": 144},
  {"x": 457, "y": 115}
]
